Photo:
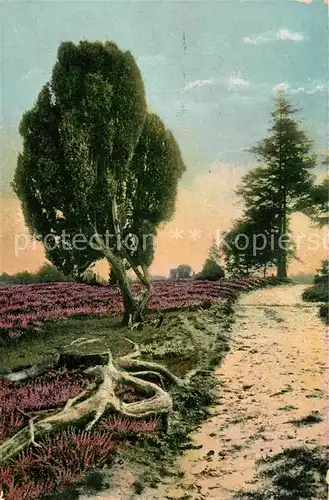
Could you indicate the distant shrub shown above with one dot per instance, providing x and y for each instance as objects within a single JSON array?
[
  {"x": 324, "y": 312},
  {"x": 211, "y": 271},
  {"x": 183, "y": 271},
  {"x": 50, "y": 274},
  {"x": 91, "y": 278},
  {"x": 317, "y": 293}
]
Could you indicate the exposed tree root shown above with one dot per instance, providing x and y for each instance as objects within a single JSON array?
[
  {"x": 148, "y": 379},
  {"x": 133, "y": 366},
  {"x": 33, "y": 371}
]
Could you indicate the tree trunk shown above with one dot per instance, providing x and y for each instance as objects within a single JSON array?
[
  {"x": 133, "y": 308},
  {"x": 282, "y": 255},
  {"x": 284, "y": 228},
  {"x": 282, "y": 266},
  {"x": 281, "y": 271},
  {"x": 130, "y": 315}
]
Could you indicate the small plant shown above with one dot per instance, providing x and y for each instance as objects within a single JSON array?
[
  {"x": 287, "y": 408},
  {"x": 311, "y": 419},
  {"x": 138, "y": 487},
  {"x": 125, "y": 426}
]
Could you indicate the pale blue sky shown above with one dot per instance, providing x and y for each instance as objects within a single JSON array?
[{"x": 210, "y": 68}]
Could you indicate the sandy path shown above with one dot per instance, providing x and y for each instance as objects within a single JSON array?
[{"x": 273, "y": 373}]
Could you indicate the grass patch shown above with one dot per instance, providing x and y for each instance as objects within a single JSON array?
[
  {"x": 317, "y": 393},
  {"x": 286, "y": 389},
  {"x": 288, "y": 408},
  {"x": 55, "y": 335},
  {"x": 313, "y": 418},
  {"x": 294, "y": 474}
]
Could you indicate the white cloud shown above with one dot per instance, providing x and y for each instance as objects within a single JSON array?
[
  {"x": 234, "y": 82},
  {"x": 312, "y": 90},
  {"x": 285, "y": 87},
  {"x": 257, "y": 39},
  {"x": 237, "y": 82},
  {"x": 283, "y": 34},
  {"x": 196, "y": 84}
]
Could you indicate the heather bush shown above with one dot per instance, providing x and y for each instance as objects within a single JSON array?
[
  {"x": 60, "y": 461},
  {"x": 124, "y": 426},
  {"x": 21, "y": 400}
]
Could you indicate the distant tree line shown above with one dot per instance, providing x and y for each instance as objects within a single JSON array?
[
  {"x": 211, "y": 269},
  {"x": 48, "y": 273}
]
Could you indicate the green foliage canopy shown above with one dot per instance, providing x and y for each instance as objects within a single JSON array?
[{"x": 89, "y": 140}]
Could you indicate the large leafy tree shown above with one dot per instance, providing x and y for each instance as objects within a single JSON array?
[
  {"x": 283, "y": 180},
  {"x": 98, "y": 172}
]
